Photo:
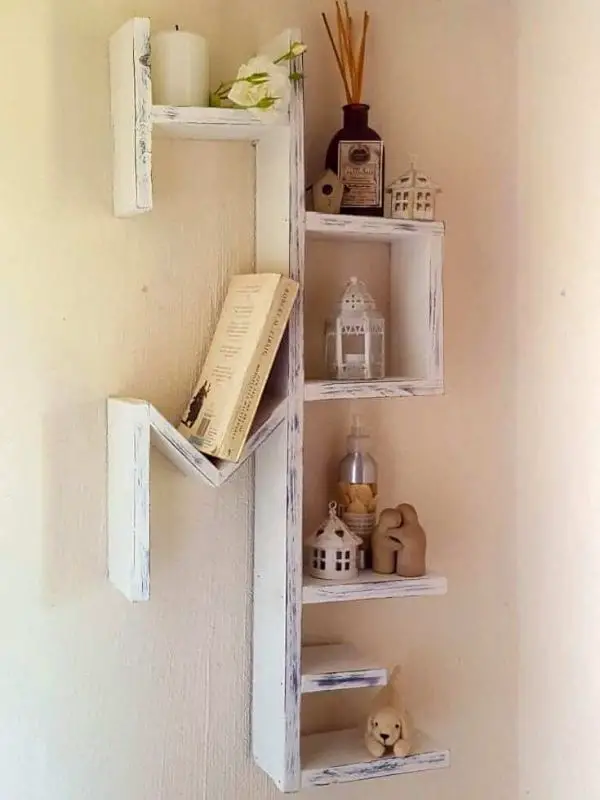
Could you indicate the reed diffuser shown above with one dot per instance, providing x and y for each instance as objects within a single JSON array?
[{"x": 355, "y": 153}]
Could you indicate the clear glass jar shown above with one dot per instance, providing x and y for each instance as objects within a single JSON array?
[{"x": 355, "y": 336}]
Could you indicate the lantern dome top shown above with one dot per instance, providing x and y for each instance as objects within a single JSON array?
[
  {"x": 333, "y": 533},
  {"x": 356, "y": 298}
]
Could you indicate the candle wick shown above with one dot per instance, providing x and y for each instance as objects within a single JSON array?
[{"x": 176, "y": 27}]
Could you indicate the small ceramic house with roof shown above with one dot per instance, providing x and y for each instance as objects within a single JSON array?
[
  {"x": 332, "y": 550},
  {"x": 413, "y": 196}
]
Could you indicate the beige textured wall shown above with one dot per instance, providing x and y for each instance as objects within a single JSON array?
[
  {"x": 559, "y": 373},
  {"x": 100, "y": 699}
]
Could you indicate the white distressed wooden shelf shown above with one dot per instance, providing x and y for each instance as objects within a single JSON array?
[
  {"x": 341, "y": 757},
  {"x": 132, "y": 425},
  {"x": 135, "y": 120},
  {"x": 332, "y": 667},
  {"x": 357, "y": 390},
  {"x": 371, "y": 586},
  {"x": 380, "y": 229},
  {"x": 276, "y": 445},
  {"x": 414, "y": 326}
]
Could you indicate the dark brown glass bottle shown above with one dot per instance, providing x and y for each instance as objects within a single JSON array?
[{"x": 355, "y": 154}]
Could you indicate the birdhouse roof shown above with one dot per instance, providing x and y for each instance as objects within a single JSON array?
[
  {"x": 413, "y": 178},
  {"x": 333, "y": 534},
  {"x": 328, "y": 176}
]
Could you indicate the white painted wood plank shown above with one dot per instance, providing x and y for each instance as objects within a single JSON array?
[
  {"x": 355, "y": 390},
  {"x": 129, "y": 56},
  {"x": 376, "y": 228},
  {"x": 416, "y": 308},
  {"x": 332, "y": 667},
  {"x": 273, "y": 201},
  {"x": 271, "y": 413},
  {"x": 211, "y": 124},
  {"x": 278, "y": 466},
  {"x": 128, "y": 498},
  {"x": 179, "y": 451},
  {"x": 372, "y": 586},
  {"x": 341, "y": 757},
  {"x": 182, "y": 453}
]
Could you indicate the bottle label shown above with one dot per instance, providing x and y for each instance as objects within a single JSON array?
[
  {"x": 360, "y": 168},
  {"x": 358, "y": 503}
]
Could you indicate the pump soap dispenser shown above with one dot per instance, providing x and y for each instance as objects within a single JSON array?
[{"x": 358, "y": 490}]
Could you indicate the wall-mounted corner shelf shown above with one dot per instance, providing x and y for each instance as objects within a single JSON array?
[
  {"x": 132, "y": 425},
  {"x": 282, "y": 669},
  {"x": 371, "y": 586},
  {"x": 341, "y": 757},
  {"x": 331, "y": 667}
]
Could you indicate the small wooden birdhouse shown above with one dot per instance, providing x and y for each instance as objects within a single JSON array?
[
  {"x": 327, "y": 192},
  {"x": 413, "y": 196},
  {"x": 333, "y": 550}
]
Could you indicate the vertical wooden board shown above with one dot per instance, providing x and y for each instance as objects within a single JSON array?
[
  {"x": 415, "y": 331},
  {"x": 278, "y": 463},
  {"x": 273, "y": 728},
  {"x": 131, "y": 107},
  {"x": 272, "y": 201},
  {"x": 128, "y": 497}
]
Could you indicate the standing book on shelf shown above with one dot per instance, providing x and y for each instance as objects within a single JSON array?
[{"x": 220, "y": 414}]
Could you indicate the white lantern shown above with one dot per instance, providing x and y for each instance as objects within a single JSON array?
[
  {"x": 355, "y": 337},
  {"x": 333, "y": 550}
]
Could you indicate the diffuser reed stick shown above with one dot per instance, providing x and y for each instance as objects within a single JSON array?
[{"x": 350, "y": 59}]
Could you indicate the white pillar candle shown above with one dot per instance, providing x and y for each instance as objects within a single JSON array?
[{"x": 179, "y": 69}]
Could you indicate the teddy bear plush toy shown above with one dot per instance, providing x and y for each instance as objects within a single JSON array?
[{"x": 389, "y": 728}]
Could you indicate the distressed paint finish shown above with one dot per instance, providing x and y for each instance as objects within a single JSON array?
[
  {"x": 128, "y": 522},
  {"x": 211, "y": 124},
  {"x": 131, "y": 104},
  {"x": 415, "y": 326},
  {"x": 371, "y": 586},
  {"x": 350, "y": 761},
  {"x": 356, "y": 390},
  {"x": 132, "y": 425},
  {"x": 338, "y": 666},
  {"x": 278, "y": 500},
  {"x": 377, "y": 228}
]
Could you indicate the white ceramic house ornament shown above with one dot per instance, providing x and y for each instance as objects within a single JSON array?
[
  {"x": 333, "y": 550},
  {"x": 355, "y": 336},
  {"x": 327, "y": 193},
  {"x": 413, "y": 195}
]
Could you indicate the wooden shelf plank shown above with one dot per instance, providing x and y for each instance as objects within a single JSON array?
[
  {"x": 211, "y": 124},
  {"x": 331, "y": 667},
  {"x": 341, "y": 757},
  {"x": 371, "y": 586},
  {"x": 379, "y": 229},
  {"x": 354, "y": 390}
]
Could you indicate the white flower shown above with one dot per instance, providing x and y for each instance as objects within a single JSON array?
[{"x": 261, "y": 86}]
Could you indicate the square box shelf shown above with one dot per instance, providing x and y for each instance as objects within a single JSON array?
[{"x": 401, "y": 263}]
